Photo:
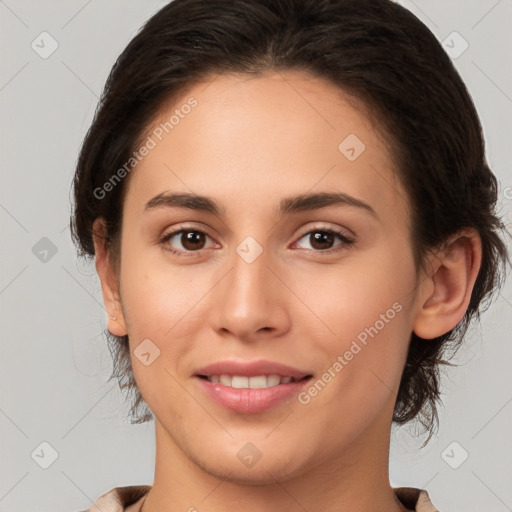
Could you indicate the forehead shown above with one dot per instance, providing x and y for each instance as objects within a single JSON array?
[{"x": 267, "y": 136}]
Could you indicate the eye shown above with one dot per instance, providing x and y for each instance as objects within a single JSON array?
[
  {"x": 322, "y": 240},
  {"x": 190, "y": 240},
  {"x": 193, "y": 240}
]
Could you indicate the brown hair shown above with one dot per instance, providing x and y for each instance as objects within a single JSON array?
[{"x": 374, "y": 50}]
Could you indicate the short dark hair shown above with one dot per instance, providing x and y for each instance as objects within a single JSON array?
[{"x": 375, "y": 51}]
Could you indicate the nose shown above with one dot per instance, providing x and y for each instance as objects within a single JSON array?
[{"x": 251, "y": 302}]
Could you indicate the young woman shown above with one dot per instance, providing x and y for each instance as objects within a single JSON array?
[{"x": 292, "y": 217}]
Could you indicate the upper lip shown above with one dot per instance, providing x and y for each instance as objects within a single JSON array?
[{"x": 251, "y": 369}]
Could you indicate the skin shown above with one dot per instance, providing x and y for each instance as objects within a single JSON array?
[{"x": 250, "y": 142}]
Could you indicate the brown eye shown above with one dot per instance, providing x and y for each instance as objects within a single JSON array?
[
  {"x": 323, "y": 240},
  {"x": 192, "y": 240},
  {"x": 184, "y": 240}
]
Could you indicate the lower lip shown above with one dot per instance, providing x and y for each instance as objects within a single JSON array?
[{"x": 251, "y": 401}]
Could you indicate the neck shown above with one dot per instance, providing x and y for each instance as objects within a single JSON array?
[{"x": 354, "y": 480}]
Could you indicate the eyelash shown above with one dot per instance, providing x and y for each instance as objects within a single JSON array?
[{"x": 347, "y": 241}]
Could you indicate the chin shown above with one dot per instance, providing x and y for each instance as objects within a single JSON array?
[
  {"x": 269, "y": 469},
  {"x": 263, "y": 475}
]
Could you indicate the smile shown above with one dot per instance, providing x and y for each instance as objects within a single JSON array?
[{"x": 246, "y": 382}]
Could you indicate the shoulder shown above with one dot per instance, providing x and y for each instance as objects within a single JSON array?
[
  {"x": 119, "y": 498},
  {"x": 415, "y": 499}
]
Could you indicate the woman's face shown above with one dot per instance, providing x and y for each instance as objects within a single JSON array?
[{"x": 266, "y": 284}]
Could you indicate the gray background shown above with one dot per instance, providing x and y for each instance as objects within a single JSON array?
[{"x": 54, "y": 363}]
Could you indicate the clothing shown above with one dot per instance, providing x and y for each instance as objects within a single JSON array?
[{"x": 130, "y": 499}]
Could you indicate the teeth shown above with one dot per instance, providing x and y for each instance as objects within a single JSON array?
[
  {"x": 239, "y": 382},
  {"x": 258, "y": 382},
  {"x": 273, "y": 380},
  {"x": 244, "y": 382},
  {"x": 225, "y": 380}
]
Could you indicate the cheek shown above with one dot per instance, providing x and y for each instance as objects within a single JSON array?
[
  {"x": 364, "y": 358},
  {"x": 366, "y": 309},
  {"x": 159, "y": 302},
  {"x": 166, "y": 304},
  {"x": 354, "y": 295},
  {"x": 156, "y": 294}
]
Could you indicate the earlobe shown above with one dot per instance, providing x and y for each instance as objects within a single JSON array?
[
  {"x": 116, "y": 324},
  {"x": 108, "y": 278},
  {"x": 445, "y": 295}
]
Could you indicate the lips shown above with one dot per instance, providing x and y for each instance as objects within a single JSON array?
[
  {"x": 251, "y": 369},
  {"x": 250, "y": 387}
]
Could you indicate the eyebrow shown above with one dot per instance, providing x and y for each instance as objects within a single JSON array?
[{"x": 288, "y": 205}]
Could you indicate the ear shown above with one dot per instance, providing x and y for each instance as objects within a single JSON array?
[
  {"x": 108, "y": 278},
  {"x": 445, "y": 293}
]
